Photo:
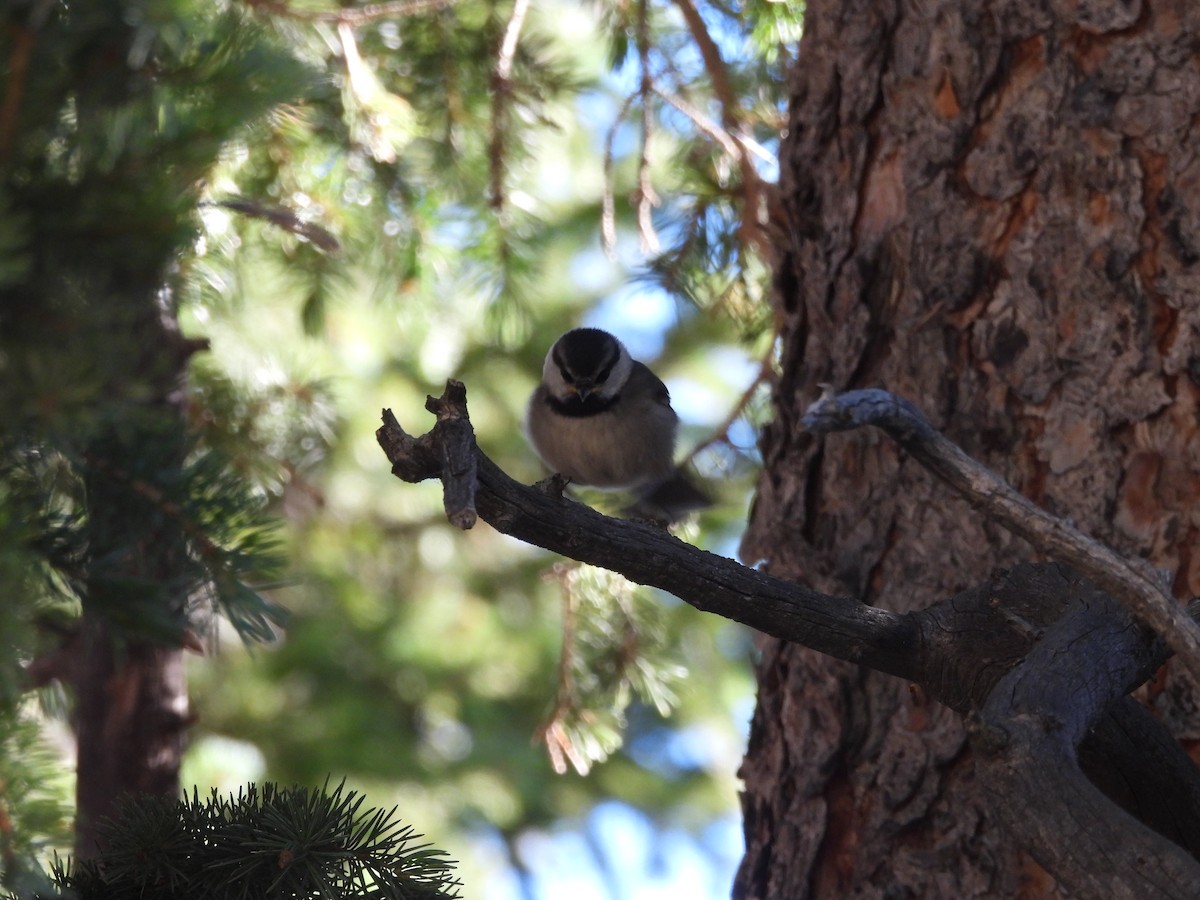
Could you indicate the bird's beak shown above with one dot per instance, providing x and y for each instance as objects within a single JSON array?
[{"x": 583, "y": 389}]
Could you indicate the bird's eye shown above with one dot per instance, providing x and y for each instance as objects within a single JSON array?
[
  {"x": 566, "y": 376},
  {"x": 602, "y": 375}
]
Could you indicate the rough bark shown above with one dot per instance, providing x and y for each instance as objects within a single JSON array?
[
  {"x": 993, "y": 211},
  {"x": 131, "y": 715}
]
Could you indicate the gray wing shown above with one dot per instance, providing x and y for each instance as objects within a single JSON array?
[{"x": 643, "y": 382}]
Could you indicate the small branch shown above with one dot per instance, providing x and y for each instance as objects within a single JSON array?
[
  {"x": 646, "y": 198},
  {"x": 734, "y": 144},
  {"x": 753, "y": 191},
  {"x": 608, "y": 212},
  {"x": 352, "y": 15},
  {"x": 501, "y": 91},
  {"x": 1133, "y": 582},
  {"x": 553, "y": 731},
  {"x": 512, "y": 34},
  {"x": 283, "y": 218},
  {"x": 718, "y": 72},
  {"x": 447, "y": 452},
  {"x": 413, "y": 459},
  {"x": 766, "y": 371},
  {"x": 840, "y": 626}
]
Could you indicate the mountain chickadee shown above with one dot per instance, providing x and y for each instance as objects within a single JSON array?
[{"x": 602, "y": 419}]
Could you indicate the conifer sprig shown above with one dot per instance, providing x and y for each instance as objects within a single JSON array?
[{"x": 264, "y": 842}]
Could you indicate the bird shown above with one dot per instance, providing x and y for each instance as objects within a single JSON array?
[{"x": 601, "y": 419}]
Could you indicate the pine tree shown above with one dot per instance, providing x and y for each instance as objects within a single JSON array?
[{"x": 123, "y": 527}]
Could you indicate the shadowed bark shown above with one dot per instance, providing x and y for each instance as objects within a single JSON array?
[{"x": 992, "y": 212}]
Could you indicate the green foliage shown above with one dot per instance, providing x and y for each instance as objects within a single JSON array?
[
  {"x": 348, "y": 208},
  {"x": 615, "y": 651},
  {"x": 123, "y": 110},
  {"x": 419, "y": 659},
  {"x": 266, "y": 842},
  {"x": 34, "y": 815},
  {"x": 110, "y": 503}
]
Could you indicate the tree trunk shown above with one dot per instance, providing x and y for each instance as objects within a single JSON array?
[
  {"x": 993, "y": 212},
  {"x": 130, "y": 686},
  {"x": 131, "y": 714}
]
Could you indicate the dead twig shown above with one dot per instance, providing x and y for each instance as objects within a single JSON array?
[
  {"x": 608, "y": 212},
  {"x": 283, "y": 218},
  {"x": 501, "y": 94},
  {"x": 351, "y": 15},
  {"x": 766, "y": 373},
  {"x": 645, "y": 199}
]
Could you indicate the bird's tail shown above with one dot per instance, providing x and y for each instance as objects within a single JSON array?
[{"x": 670, "y": 500}]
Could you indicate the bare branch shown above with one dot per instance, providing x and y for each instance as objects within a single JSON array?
[
  {"x": 756, "y": 197},
  {"x": 646, "y": 554},
  {"x": 766, "y": 372},
  {"x": 457, "y": 446},
  {"x": 734, "y": 143},
  {"x": 501, "y": 91},
  {"x": 281, "y": 217},
  {"x": 1134, "y": 582},
  {"x": 718, "y": 72},
  {"x": 608, "y": 213},
  {"x": 352, "y": 15},
  {"x": 512, "y": 34},
  {"x": 646, "y": 199},
  {"x": 1041, "y": 655}
]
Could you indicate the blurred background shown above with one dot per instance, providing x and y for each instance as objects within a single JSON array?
[{"x": 438, "y": 190}]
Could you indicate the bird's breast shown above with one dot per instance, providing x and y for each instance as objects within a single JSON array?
[{"x": 619, "y": 448}]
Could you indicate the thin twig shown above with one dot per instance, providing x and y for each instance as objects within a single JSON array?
[
  {"x": 501, "y": 91},
  {"x": 718, "y": 72},
  {"x": 766, "y": 373},
  {"x": 646, "y": 198},
  {"x": 512, "y": 34},
  {"x": 281, "y": 217},
  {"x": 754, "y": 212},
  {"x": 733, "y": 143},
  {"x": 553, "y": 732},
  {"x": 1133, "y": 582},
  {"x": 608, "y": 212},
  {"x": 352, "y": 15}
]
